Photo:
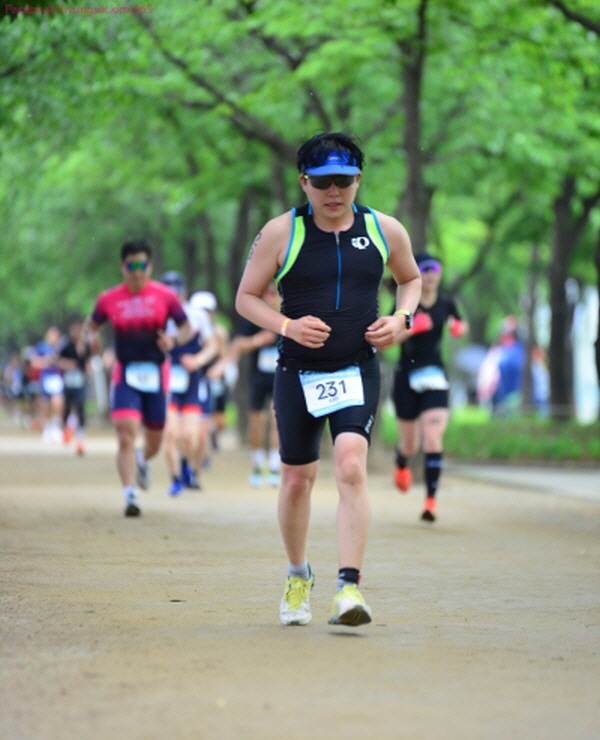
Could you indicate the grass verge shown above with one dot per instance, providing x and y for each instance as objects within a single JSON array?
[{"x": 473, "y": 434}]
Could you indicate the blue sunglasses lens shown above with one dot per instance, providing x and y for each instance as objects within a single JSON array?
[{"x": 132, "y": 266}]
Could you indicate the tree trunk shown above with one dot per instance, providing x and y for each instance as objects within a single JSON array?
[
  {"x": 571, "y": 216},
  {"x": 527, "y": 403},
  {"x": 560, "y": 357},
  {"x": 415, "y": 203},
  {"x": 238, "y": 249},
  {"x": 210, "y": 267}
]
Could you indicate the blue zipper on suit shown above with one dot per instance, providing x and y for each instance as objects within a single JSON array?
[{"x": 339, "y": 278}]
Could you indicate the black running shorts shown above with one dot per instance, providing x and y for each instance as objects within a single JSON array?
[
  {"x": 409, "y": 404},
  {"x": 261, "y": 390},
  {"x": 300, "y": 432}
]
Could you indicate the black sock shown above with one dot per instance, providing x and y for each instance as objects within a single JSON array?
[
  {"x": 348, "y": 575},
  {"x": 401, "y": 461},
  {"x": 433, "y": 470}
]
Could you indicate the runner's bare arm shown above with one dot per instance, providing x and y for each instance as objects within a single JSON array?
[
  {"x": 209, "y": 351},
  {"x": 167, "y": 342},
  {"x": 390, "y": 330},
  {"x": 264, "y": 261}
]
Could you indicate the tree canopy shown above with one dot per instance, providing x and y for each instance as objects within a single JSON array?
[{"x": 181, "y": 121}]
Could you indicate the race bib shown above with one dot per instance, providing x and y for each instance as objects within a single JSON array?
[
  {"x": 52, "y": 384},
  {"x": 267, "y": 359},
  {"x": 143, "y": 376},
  {"x": 328, "y": 392},
  {"x": 74, "y": 379},
  {"x": 179, "y": 379},
  {"x": 430, "y": 378},
  {"x": 217, "y": 387},
  {"x": 203, "y": 391}
]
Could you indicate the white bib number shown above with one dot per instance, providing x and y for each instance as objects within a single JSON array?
[
  {"x": 217, "y": 387},
  {"x": 267, "y": 359},
  {"x": 179, "y": 379},
  {"x": 430, "y": 378},
  {"x": 328, "y": 392},
  {"x": 203, "y": 391},
  {"x": 74, "y": 379},
  {"x": 52, "y": 384},
  {"x": 143, "y": 376}
]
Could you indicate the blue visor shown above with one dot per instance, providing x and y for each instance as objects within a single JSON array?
[
  {"x": 429, "y": 266},
  {"x": 338, "y": 163}
]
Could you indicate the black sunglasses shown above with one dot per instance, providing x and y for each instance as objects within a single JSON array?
[{"x": 323, "y": 182}]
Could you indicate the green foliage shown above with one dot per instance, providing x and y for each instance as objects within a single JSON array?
[{"x": 182, "y": 125}]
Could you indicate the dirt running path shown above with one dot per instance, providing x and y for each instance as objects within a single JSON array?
[{"x": 486, "y": 624}]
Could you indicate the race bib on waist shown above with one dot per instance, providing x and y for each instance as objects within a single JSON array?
[
  {"x": 267, "y": 359},
  {"x": 179, "y": 379},
  {"x": 204, "y": 389},
  {"x": 52, "y": 384},
  {"x": 74, "y": 379},
  {"x": 328, "y": 392},
  {"x": 143, "y": 376},
  {"x": 430, "y": 378},
  {"x": 217, "y": 386}
]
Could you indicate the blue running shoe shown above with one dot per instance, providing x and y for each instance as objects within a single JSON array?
[
  {"x": 177, "y": 487},
  {"x": 189, "y": 477},
  {"x": 186, "y": 471}
]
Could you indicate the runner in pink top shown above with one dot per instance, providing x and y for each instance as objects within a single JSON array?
[{"x": 138, "y": 311}]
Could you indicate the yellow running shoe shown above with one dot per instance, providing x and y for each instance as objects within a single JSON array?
[
  {"x": 294, "y": 608},
  {"x": 349, "y": 607}
]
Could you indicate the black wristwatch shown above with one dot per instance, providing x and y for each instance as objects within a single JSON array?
[{"x": 408, "y": 317}]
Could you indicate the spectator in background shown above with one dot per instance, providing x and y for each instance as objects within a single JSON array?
[
  {"x": 13, "y": 383},
  {"x": 540, "y": 381},
  {"x": 500, "y": 378}
]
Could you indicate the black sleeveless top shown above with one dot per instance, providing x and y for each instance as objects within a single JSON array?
[{"x": 335, "y": 277}]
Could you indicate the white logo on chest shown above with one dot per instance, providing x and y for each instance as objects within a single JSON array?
[{"x": 360, "y": 242}]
